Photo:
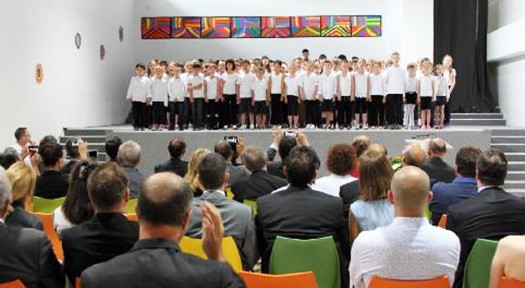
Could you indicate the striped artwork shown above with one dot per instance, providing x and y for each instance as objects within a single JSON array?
[
  {"x": 186, "y": 27},
  {"x": 306, "y": 26},
  {"x": 215, "y": 27},
  {"x": 246, "y": 27},
  {"x": 335, "y": 26},
  {"x": 275, "y": 27},
  {"x": 366, "y": 26},
  {"x": 156, "y": 28}
]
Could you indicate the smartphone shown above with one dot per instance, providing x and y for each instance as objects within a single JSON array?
[
  {"x": 290, "y": 134},
  {"x": 33, "y": 149},
  {"x": 93, "y": 155},
  {"x": 233, "y": 140}
]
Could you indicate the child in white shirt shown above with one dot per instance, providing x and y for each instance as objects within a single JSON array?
[
  {"x": 260, "y": 99},
  {"x": 327, "y": 94},
  {"x": 376, "y": 107},
  {"x": 244, "y": 95},
  {"x": 176, "y": 87},
  {"x": 159, "y": 98},
  {"x": 346, "y": 90},
  {"x": 138, "y": 95},
  {"x": 426, "y": 93},
  {"x": 395, "y": 81},
  {"x": 276, "y": 89},
  {"x": 291, "y": 87},
  {"x": 308, "y": 88},
  {"x": 410, "y": 96},
  {"x": 362, "y": 96},
  {"x": 211, "y": 92},
  {"x": 441, "y": 95},
  {"x": 195, "y": 84},
  {"x": 229, "y": 95}
]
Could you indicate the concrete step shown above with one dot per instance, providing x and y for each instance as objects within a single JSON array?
[
  {"x": 514, "y": 184},
  {"x": 508, "y": 132},
  {"x": 478, "y": 122},
  {"x": 516, "y": 166},
  {"x": 509, "y": 148},
  {"x": 88, "y": 139},
  {"x": 84, "y": 132},
  {"x": 516, "y": 175},
  {"x": 507, "y": 139},
  {"x": 476, "y": 116},
  {"x": 515, "y": 156}
]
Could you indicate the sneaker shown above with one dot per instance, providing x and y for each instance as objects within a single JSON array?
[
  {"x": 252, "y": 126},
  {"x": 365, "y": 127},
  {"x": 225, "y": 127}
]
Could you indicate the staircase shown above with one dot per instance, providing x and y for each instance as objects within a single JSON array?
[
  {"x": 477, "y": 119},
  {"x": 512, "y": 143},
  {"x": 95, "y": 138}
]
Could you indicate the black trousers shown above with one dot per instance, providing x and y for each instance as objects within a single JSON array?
[
  {"x": 394, "y": 109},
  {"x": 345, "y": 111},
  {"x": 176, "y": 108},
  {"x": 230, "y": 109},
  {"x": 376, "y": 111},
  {"x": 276, "y": 117},
  {"x": 187, "y": 111},
  {"x": 159, "y": 114},
  {"x": 138, "y": 110},
  {"x": 212, "y": 114},
  {"x": 197, "y": 108},
  {"x": 448, "y": 107},
  {"x": 311, "y": 107}
]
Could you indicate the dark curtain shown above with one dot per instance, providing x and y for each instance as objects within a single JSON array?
[{"x": 460, "y": 30}]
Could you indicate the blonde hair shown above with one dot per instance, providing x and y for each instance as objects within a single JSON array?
[
  {"x": 23, "y": 180},
  {"x": 193, "y": 166}
]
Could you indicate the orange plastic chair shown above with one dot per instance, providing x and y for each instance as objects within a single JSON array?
[
  {"x": 293, "y": 280},
  {"x": 47, "y": 220},
  {"x": 13, "y": 284},
  {"x": 510, "y": 283},
  {"x": 132, "y": 217},
  {"x": 77, "y": 282},
  {"x": 443, "y": 221},
  {"x": 378, "y": 282}
]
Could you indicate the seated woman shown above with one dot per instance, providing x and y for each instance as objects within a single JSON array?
[
  {"x": 508, "y": 260},
  {"x": 191, "y": 176},
  {"x": 340, "y": 161},
  {"x": 23, "y": 182},
  {"x": 373, "y": 209},
  {"x": 77, "y": 206}
]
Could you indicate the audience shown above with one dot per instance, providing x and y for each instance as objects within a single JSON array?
[
  {"x": 177, "y": 149},
  {"x": 237, "y": 217},
  {"x": 436, "y": 168},
  {"x": 409, "y": 248},
  {"x": 339, "y": 161},
  {"x": 285, "y": 146},
  {"x": 27, "y": 254},
  {"x": 508, "y": 260},
  {"x": 129, "y": 159},
  {"x": 109, "y": 233},
  {"x": 112, "y": 146},
  {"x": 9, "y": 157},
  {"x": 360, "y": 144},
  {"x": 491, "y": 214},
  {"x": 225, "y": 149},
  {"x": 413, "y": 155},
  {"x": 23, "y": 138},
  {"x": 51, "y": 184},
  {"x": 463, "y": 187},
  {"x": 164, "y": 211},
  {"x": 192, "y": 175},
  {"x": 76, "y": 150}
]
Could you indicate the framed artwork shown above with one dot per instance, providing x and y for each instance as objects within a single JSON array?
[
  {"x": 366, "y": 26},
  {"x": 335, "y": 26},
  {"x": 156, "y": 28},
  {"x": 215, "y": 27},
  {"x": 275, "y": 27},
  {"x": 186, "y": 27},
  {"x": 245, "y": 27},
  {"x": 306, "y": 26},
  {"x": 78, "y": 40}
]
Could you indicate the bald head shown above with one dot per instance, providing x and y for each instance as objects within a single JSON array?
[
  {"x": 413, "y": 155},
  {"x": 378, "y": 148},
  {"x": 437, "y": 147},
  {"x": 165, "y": 200},
  {"x": 410, "y": 188}
]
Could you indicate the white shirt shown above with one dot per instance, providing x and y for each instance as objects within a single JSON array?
[
  {"x": 332, "y": 183},
  {"x": 159, "y": 90},
  {"x": 361, "y": 85},
  {"x": 211, "y": 87},
  {"x": 411, "y": 84},
  {"x": 377, "y": 85},
  {"x": 441, "y": 86},
  {"x": 292, "y": 85},
  {"x": 60, "y": 222},
  {"x": 345, "y": 84},
  {"x": 139, "y": 89},
  {"x": 176, "y": 88},
  {"x": 309, "y": 83},
  {"x": 395, "y": 80},
  {"x": 407, "y": 249},
  {"x": 245, "y": 81},
  {"x": 196, "y": 81},
  {"x": 259, "y": 88},
  {"x": 327, "y": 84},
  {"x": 426, "y": 84},
  {"x": 276, "y": 83},
  {"x": 230, "y": 80}
]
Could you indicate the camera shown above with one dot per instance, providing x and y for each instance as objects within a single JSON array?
[
  {"x": 290, "y": 134},
  {"x": 33, "y": 149},
  {"x": 233, "y": 140}
]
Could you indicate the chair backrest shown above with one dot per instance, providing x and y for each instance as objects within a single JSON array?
[
  {"x": 49, "y": 230},
  {"x": 443, "y": 221},
  {"x": 132, "y": 204},
  {"x": 317, "y": 255},
  {"x": 13, "y": 284},
  {"x": 132, "y": 217},
  {"x": 378, "y": 282},
  {"x": 293, "y": 280},
  {"x": 229, "y": 248},
  {"x": 427, "y": 213},
  {"x": 78, "y": 282},
  {"x": 510, "y": 283},
  {"x": 479, "y": 261},
  {"x": 42, "y": 205},
  {"x": 252, "y": 204},
  {"x": 229, "y": 193}
]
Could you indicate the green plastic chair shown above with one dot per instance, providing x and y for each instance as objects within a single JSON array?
[
  {"x": 317, "y": 255},
  {"x": 252, "y": 204},
  {"x": 47, "y": 206},
  {"x": 132, "y": 204},
  {"x": 428, "y": 214},
  {"x": 479, "y": 261}
]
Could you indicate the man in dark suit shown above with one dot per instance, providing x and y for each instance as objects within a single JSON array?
[
  {"x": 26, "y": 254},
  {"x": 282, "y": 144},
  {"x": 491, "y": 214},
  {"x": 164, "y": 211},
  {"x": 225, "y": 149},
  {"x": 463, "y": 187},
  {"x": 51, "y": 184},
  {"x": 260, "y": 182},
  {"x": 129, "y": 159},
  {"x": 436, "y": 168},
  {"x": 298, "y": 211},
  {"x": 176, "y": 148},
  {"x": 109, "y": 233}
]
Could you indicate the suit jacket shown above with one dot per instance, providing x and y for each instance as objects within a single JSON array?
[
  {"x": 238, "y": 223},
  {"x": 28, "y": 255},
  {"x": 438, "y": 170},
  {"x": 259, "y": 183},
  {"x": 135, "y": 181},
  {"x": 51, "y": 185},
  {"x": 492, "y": 214},
  {"x": 349, "y": 193},
  {"x": 23, "y": 219},
  {"x": 448, "y": 194},
  {"x": 236, "y": 173},
  {"x": 66, "y": 169},
  {"x": 276, "y": 168},
  {"x": 175, "y": 165},
  {"x": 160, "y": 263},
  {"x": 100, "y": 239}
]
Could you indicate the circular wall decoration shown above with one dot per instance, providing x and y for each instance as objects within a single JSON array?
[
  {"x": 78, "y": 40},
  {"x": 102, "y": 52},
  {"x": 121, "y": 33},
  {"x": 39, "y": 73}
]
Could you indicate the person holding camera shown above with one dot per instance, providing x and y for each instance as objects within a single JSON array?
[{"x": 230, "y": 148}]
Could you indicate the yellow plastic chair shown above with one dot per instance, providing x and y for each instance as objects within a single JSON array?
[
  {"x": 132, "y": 217},
  {"x": 42, "y": 205},
  {"x": 443, "y": 221},
  {"x": 292, "y": 280},
  {"x": 229, "y": 193},
  {"x": 510, "y": 283},
  {"x": 378, "y": 282},
  {"x": 49, "y": 230},
  {"x": 13, "y": 284},
  {"x": 194, "y": 246},
  {"x": 252, "y": 204},
  {"x": 132, "y": 204}
]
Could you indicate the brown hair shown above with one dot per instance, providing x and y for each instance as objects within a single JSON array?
[
  {"x": 375, "y": 174},
  {"x": 340, "y": 159}
]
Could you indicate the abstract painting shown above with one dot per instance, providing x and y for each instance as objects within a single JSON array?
[
  {"x": 275, "y": 27},
  {"x": 246, "y": 27},
  {"x": 306, "y": 26},
  {"x": 156, "y": 28},
  {"x": 366, "y": 26},
  {"x": 335, "y": 26},
  {"x": 186, "y": 27},
  {"x": 215, "y": 27}
]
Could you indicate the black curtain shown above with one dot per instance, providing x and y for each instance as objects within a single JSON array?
[{"x": 460, "y": 30}]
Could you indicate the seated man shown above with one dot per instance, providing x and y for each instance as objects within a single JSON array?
[
  {"x": 225, "y": 149},
  {"x": 129, "y": 159},
  {"x": 26, "y": 253},
  {"x": 413, "y": 155},
  {"x": 109, "y": 233},
  {"x": 237, "y": 217},
  {"x": 164, "y": 211},
  {"x": 282, "y": 144},
  {"x": 51, "y": 184},
  {"x": 508, "y": 260},
  {"x": 463, "y": 187},
  {"x": 176, "y": 148},
  {"x": 260, "y": 182},
  {"x": 409, "y": 248},
  {"x": 435, "y": 167}
]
